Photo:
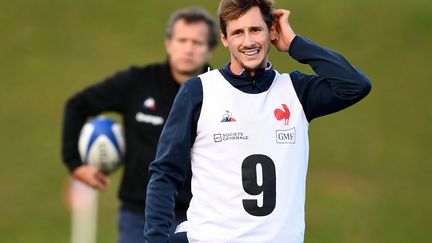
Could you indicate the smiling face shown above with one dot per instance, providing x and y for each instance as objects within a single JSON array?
[{"x": 248, "y": 40}]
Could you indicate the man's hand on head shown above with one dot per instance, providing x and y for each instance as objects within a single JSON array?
[{"x": 283, "y": 33}]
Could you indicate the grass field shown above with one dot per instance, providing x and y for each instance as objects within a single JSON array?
[{"x": 370, "y": 165}]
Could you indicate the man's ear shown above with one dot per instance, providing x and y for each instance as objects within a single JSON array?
[
  {"x": 273, "y": 33},
  {"x": 167, "y": 44},
  {"x": 223, "y": 39}
]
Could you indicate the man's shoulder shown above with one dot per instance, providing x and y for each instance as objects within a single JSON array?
[
  {"x": 135, "y": 73},
  {"x": 298, "y": 77},
  {"x": 193, "y": 83},
  {"x": 192, "y": 87},
  {"x": 148, "y": 69},
  {"x": 209, "y": 75}
]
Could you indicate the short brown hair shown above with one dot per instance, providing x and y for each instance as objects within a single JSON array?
[
  {"x": 194, "y": 15},
  {"x": 233, "y": 9}
]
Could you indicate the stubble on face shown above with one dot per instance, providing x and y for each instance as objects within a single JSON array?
[{"x": 248, "y": 40}]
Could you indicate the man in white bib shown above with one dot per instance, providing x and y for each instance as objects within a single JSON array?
[{"x": 243, "y": 129}]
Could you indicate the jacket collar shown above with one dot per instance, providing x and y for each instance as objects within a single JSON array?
[{"x": 260, "y": 82}]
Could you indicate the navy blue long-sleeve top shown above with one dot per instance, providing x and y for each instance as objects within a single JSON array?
[{"x": 336, "y": 85}]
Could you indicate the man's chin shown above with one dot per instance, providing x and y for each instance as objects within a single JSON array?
[
  {"x": 253, "y": 67},
  {"x": 253, "y": 64}
]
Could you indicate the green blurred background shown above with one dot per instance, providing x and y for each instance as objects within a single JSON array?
[{"x": 370, "y": 165}]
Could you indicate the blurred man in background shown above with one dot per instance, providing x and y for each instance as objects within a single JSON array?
[{"x": 143, "y": 97}]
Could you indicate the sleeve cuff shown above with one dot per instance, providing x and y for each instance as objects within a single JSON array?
[{"x": 73, "y": 165}]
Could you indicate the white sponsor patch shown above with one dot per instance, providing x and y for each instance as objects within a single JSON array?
[
  {"x": 154, "y": 120},
  {"x": 286, "y": 136}
]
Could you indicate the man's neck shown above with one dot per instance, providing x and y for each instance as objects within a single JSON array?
[{"x": 180, "y": 78}]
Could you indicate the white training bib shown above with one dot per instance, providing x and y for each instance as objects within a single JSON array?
[{"x": 249, "y": 164}]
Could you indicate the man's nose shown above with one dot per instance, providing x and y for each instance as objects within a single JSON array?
[
  {"x": 248, "y": 39},
  {"x": 189, "y": 46}
]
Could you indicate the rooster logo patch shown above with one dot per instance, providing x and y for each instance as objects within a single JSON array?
[{"x": 282, "y": 114}]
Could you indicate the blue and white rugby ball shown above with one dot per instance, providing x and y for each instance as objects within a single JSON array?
[{"x": 101, "y": 143}]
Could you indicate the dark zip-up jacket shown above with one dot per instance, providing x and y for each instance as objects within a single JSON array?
[
  {"x": 125, "y": 93},
  {"x": 336, "y": 85}
]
